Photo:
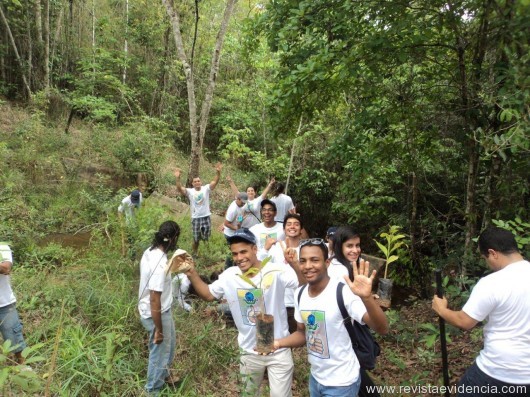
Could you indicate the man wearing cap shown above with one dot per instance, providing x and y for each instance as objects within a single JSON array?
[
  {"x": 269, "y": 231},
  {"x": 262, "y": 287},
  {"x": 329, "y": 239},
  {"x": 130, "y": 204},
  {"x": 234, "y": 214},
  {"x": 10, "y": 325},
  {"x": 199, "y": 197}
]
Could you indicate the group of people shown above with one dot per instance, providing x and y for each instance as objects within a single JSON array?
[{"x": 309, "y": 316}]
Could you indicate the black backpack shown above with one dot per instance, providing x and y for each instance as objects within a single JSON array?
[{"x": 364, "y": 345}]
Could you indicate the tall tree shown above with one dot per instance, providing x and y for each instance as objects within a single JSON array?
[{"x": 198, "y": 123}]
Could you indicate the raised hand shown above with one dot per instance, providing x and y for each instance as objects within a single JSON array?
[
  {"x": 290, "y": 254},
  {"x": 362, "y": 281},
  {"x": 218, "y": 167},
  {"x": 177, "y": 172}
]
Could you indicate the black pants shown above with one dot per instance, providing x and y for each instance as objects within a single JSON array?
[{"x": 366, "y": 382}]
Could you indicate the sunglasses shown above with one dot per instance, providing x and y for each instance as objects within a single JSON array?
[{"x": 312, "y": 241}]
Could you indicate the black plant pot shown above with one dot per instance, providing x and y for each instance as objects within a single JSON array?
[{"x": 384, "y": 290}]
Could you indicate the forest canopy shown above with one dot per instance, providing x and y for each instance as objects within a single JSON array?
[{"x": 409, "y": 113}]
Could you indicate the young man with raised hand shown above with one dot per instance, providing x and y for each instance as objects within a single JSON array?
[
  {"x": 199, "y": 197},
  {"x": 335, "y": 370},
  {"x": 245, "y": 302},
  {"x": 286, "y": 252},
  {"x": 503, "y": 298}
]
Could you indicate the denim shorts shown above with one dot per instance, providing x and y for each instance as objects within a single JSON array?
[{"x": 11, "y": 327}]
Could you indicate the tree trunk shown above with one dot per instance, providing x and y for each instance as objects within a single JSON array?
[
  {"x": 197, "y": 134},
  {"x": 292, "y": 154},
  {"x": 58, "y": 26},
  {"x": 38, "y": 21},
  {"x": 126, "y": 44},
  {"x": 15, "y": 50},
  {"x": 46, "y": 59},
  {"x": 214, "y": 68},
  {"x": 190, "y": 85}
]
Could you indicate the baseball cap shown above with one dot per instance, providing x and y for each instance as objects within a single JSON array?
[
  {"x": 270, "y": 202},
  {"x": 135, "y": 196},
  {"x": 243, "y": 197},
  {"x": 331, "y": 231},
  {"x": 242, "y": 234}
]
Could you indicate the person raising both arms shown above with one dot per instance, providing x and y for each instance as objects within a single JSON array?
[
  {"x": 199, "y": 197},
  {"x": 251, "y": 215}
]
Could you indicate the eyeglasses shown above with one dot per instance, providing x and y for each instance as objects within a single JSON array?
[{"x": 312, "y": 241}]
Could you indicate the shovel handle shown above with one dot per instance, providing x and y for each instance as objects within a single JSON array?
[{"x": 439, "y": 287}]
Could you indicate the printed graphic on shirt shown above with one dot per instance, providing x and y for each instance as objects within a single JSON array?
[
  {"x": 250, "y": 303},
  {"x": 198, "y": 198},
  {"x": 264, "y": 236},
  {"x": 315, "y": 333}
]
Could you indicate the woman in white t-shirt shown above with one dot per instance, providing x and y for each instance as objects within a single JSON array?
[
  {"x": 251, "y": 210},
  {"x": 155, "y": 297}
]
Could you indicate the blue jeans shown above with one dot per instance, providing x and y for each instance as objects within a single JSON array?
[
  {"x": 11, "y": 327},
  {"x": 475, "y": 383},
  {"x": 161, "y": 355},
  {"x": 318, "y": 390}
]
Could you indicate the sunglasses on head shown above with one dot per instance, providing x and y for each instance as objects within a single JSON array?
[{"x": 312, "y": 241}]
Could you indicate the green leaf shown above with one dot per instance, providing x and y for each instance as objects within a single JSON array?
[
  {"x": 382, "y": 248},
  {"x": 3, "y": 376},
  {"x": 393, "y": 258}
]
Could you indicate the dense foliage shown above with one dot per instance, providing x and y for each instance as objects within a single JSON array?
[{"x": 409, "y": 113}]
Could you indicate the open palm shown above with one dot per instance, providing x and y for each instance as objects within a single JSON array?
[{"x": 362, "y": 281}]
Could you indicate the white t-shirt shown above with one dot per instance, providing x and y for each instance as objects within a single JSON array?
[
  {"x": 234, "y": 215},
  {"x": 330, "y": 353},
  {"x": 7, "y": 296},
  {"x": 181, "y": 285},
  {"x": 276, "y": 254},
  {"x": 252, "y": 214},
  {"x": 262, "y": 233},
  {"x": 284, "y": 203},
  {"x": 128, "y": 207},
  {"x": 199, "y": 201},
  {"x": 503, "y": 297},
  {"x": 337, "y": 270},
  {"x": 245, "y": 301},
  {"x": 153, "y": 277}
]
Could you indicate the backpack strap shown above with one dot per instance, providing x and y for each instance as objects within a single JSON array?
[
  {"x": 347, "y": 319},
  {"x": 300, "y": 293}
]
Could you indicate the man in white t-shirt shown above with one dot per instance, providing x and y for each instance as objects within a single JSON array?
[
  {"x": 335, "y": 369},
  {"x": 503, "y": 298},
  {"x": 199, "y": 198},
  {"x": 284, "y": 203},
  {"x": 130, "y": 204},
  {"x": 269, "y": 231},
  {"x": 234, "y": 215},
  {"x": 262, "y": 287},
  {"x": 10, "y": 325},
  {"x": 286, "y": 252}
]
